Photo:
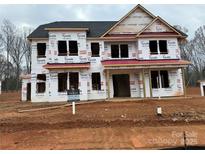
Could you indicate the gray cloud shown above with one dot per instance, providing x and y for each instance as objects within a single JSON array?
[{"x": 190, "y": 16}]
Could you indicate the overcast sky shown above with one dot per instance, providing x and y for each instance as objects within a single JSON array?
[{"x": 190, "y": 16}]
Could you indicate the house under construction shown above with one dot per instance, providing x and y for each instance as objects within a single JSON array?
[{"x": 137, "y": 56}]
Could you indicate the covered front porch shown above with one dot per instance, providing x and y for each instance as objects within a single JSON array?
[{"x": 144, "y": 79}]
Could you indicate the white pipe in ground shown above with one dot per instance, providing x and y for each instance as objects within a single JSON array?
[{"x": 73, "y": 108}]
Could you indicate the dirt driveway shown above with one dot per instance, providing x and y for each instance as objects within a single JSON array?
[{"x": 103, "y": 125}]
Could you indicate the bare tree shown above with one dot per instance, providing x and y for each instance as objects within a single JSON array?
[
  {"x": 12, "y": 75},
  {"x": 16, "y": 47},
  {"x": 199, "y": 40},
  {"x": 2, "y": 66},
  {"x": 194, "y": 50},
  {"x": 197, "y": 52},
  {"x": 27, "y": 49},
  {"x": 8, "y": 31},
  {"x": 194, "y": 54},
  {"x": 185, "y": 52},
  {"x": 183, "y": 42},
  {"x": 17, "y": 53}
]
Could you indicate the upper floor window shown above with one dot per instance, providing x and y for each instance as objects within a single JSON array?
[
  {"x": 153, "y": 47},
  {"x": 73, "y": 48},
  {"x": 115, "y": 51},
  {"x": 41, "y": 50},
  {"x": 157, "y": 47},
  {"x": 62, "y": 48},
  {"x": 124, "y": 50},
  {"x": 163, "y": 46},
  {"x": 95, "y": 49},
  {"x": 119, "y": 51}
]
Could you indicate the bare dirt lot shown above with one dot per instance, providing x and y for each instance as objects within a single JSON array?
[{"x": 129, "y": 124}]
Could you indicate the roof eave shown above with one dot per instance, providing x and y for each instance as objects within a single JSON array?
[
  {"x": 67, "y": 29},
  {"x": 161, "y": 36},
  {"x": 37, "y": 38}
]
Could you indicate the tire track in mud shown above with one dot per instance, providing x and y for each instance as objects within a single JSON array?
[{"x": 15, "y": 127}]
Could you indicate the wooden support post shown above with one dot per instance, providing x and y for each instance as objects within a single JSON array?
[
  {"x": 143, "y": 80},
  {"x": 150, "y": 83},
  {"x": 185, "y": 141},
  {"x": 183, "y": 80},
  {"x": 159, "y": 84},
  {"x": 108, "y": 83}
]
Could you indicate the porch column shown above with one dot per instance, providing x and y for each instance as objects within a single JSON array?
[
  {"x": 150, "y": 83},
  {"x": 183, "y": 80},
  {"x": 108, "y": 83},
  {"x": 143, "y": 80}
]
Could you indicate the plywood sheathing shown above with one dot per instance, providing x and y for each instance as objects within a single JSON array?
[
  {"x": 138, "y": 9},
  {"x": 163, "y": 22}
]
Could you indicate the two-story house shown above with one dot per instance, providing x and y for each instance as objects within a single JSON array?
[{"x": 137, "y": 56}]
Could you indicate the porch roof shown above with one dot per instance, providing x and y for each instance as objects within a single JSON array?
[
  {"x": 144, "y": 63},
  {"x": 67, "y": 65}
]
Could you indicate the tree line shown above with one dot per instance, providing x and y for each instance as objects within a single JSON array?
[
  {"x": 193, "y": 50},
  {"x": 15, "y": 55}
]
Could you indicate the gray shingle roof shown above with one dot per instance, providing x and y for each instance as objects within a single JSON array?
[
  {"x": 182, "y": 33},
  {"x": 96, "y": 28}
]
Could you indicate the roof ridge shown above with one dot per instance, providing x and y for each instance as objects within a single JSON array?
[
  {"x": 84, "y": 21},
  {"x": 96, "y": 27},
  {"x": 74, "y": 21}
]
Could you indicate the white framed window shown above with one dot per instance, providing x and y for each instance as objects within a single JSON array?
[
  {"x": 95, "y": 49},
  {"x": 119, "y": 51},
  {"x": 158, "y": 47},
  {"x": 41, "y": 50},
  {"x": 160, "y": 79}
]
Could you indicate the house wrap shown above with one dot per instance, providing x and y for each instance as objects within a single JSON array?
[{"x": 137, "y": 56}]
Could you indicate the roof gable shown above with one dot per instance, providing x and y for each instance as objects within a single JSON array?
[
  {"x": 158, "y": 25},
  {"x": 132, "y": 22}
]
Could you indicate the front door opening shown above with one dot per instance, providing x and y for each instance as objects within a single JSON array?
[
  {"x": 121, "y": 85},
  {"x": 28, "y": 94}
]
